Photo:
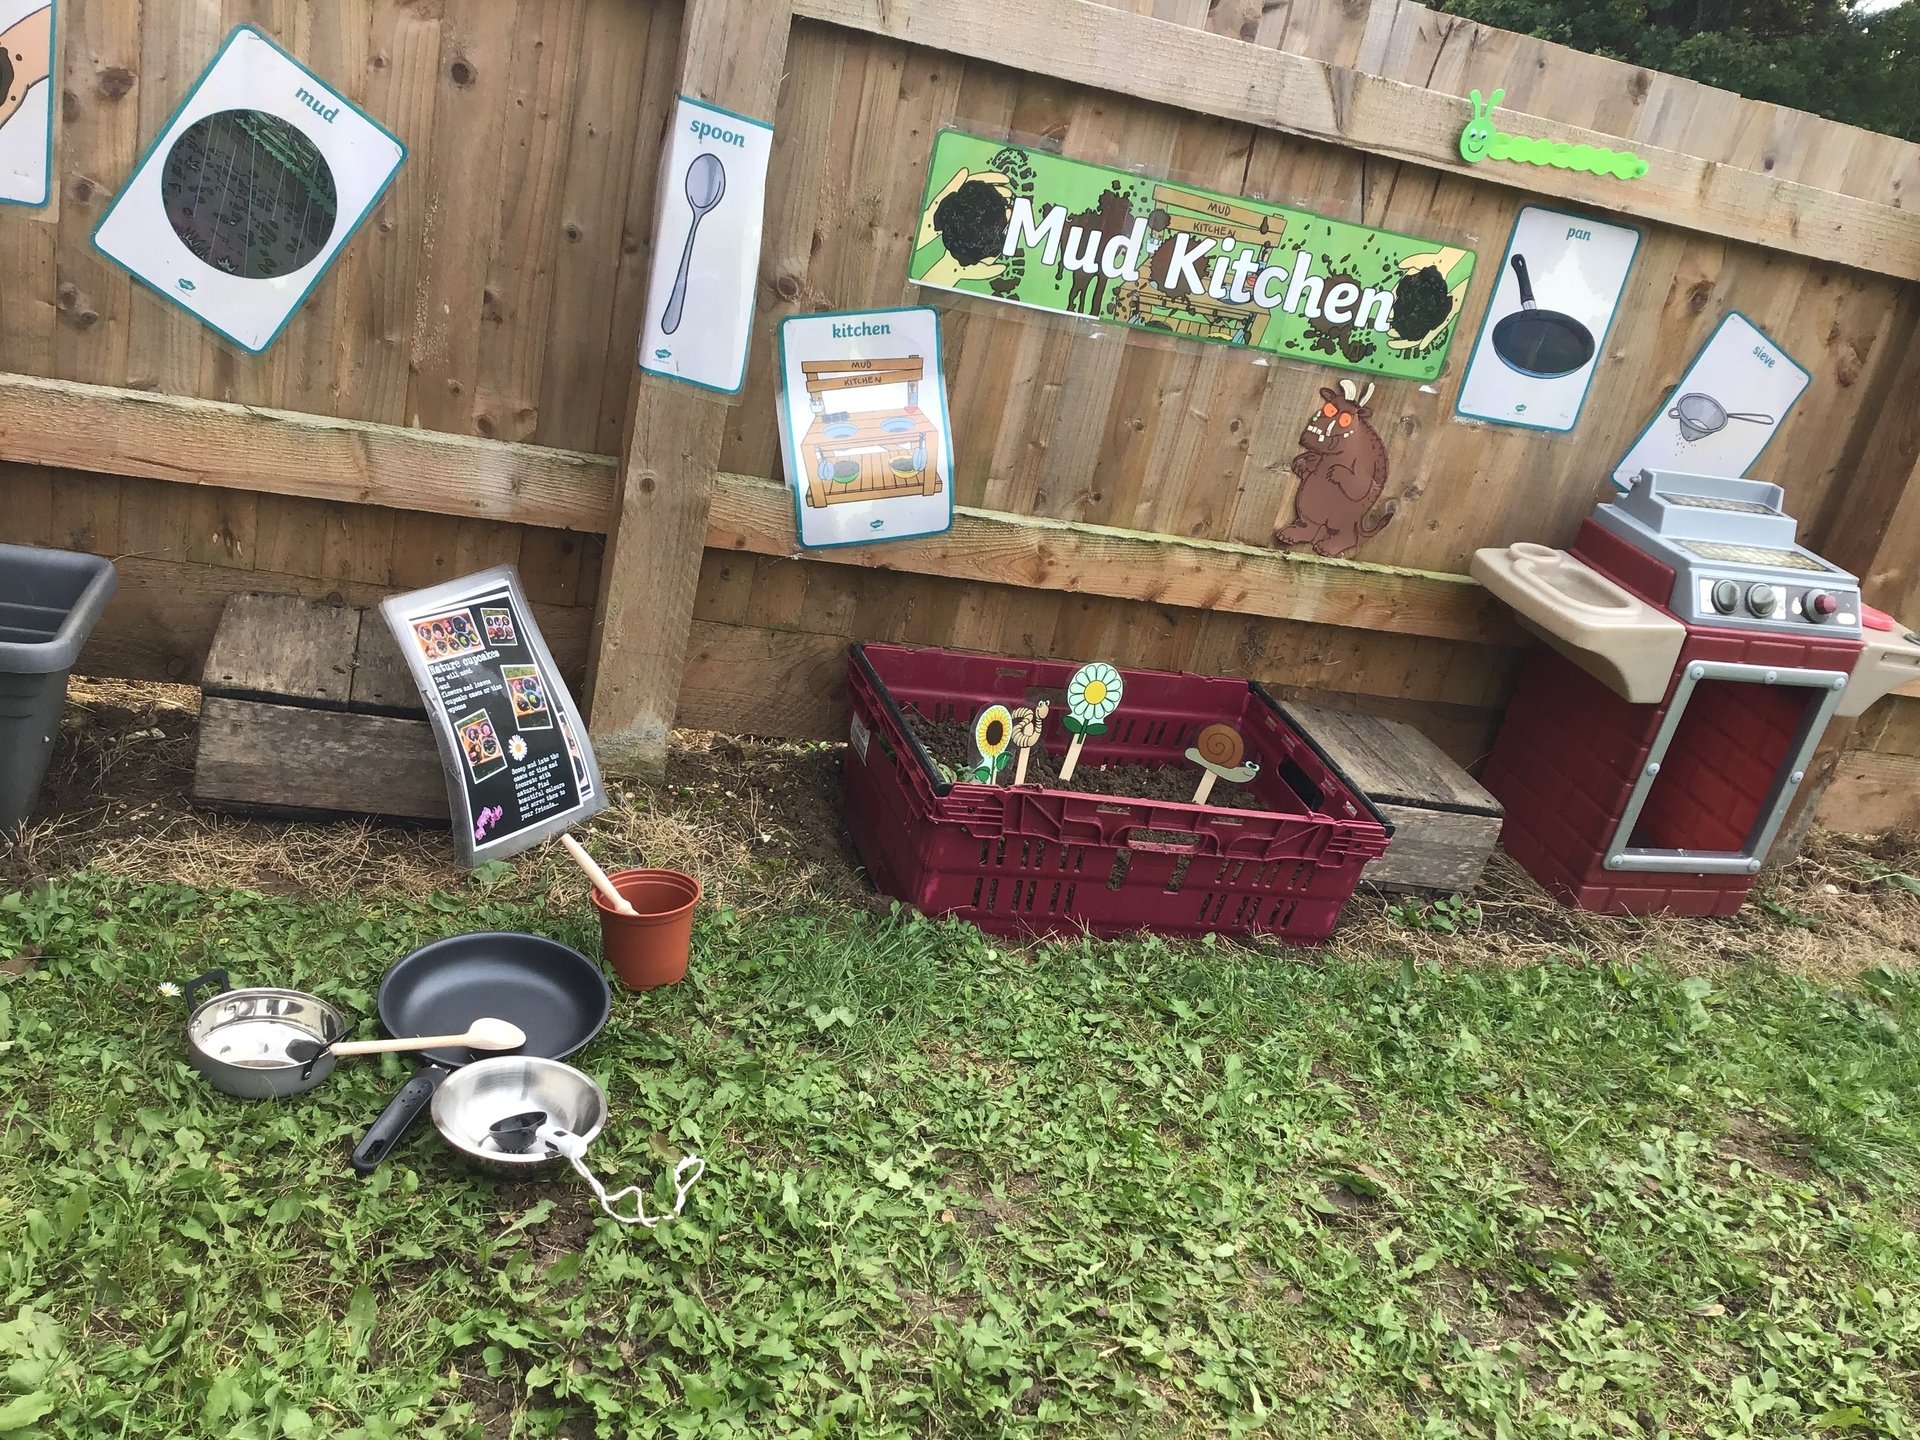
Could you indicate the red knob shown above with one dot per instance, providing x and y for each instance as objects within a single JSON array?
[{"x": 1824, "y": 604}]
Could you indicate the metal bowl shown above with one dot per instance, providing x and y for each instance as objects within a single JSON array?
[
  {"x": 239, "y": 1038},
  {"x": 475, "y": 1096}
]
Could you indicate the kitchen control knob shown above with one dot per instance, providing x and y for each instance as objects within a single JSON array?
[
  {"x": 1821, "y": 607},
  {"x": 1761, "y": 600},
  {"x": 1726, "y": 597}
]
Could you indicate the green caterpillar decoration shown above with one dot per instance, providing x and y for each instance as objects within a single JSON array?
[{"x": 1480, "y": 141}]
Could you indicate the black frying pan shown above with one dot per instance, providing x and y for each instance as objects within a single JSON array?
[
  {"x": 554, "y": 993},
  {"x": 1540, "y": 344}
]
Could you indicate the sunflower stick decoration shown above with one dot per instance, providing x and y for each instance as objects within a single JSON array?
[
  {"x": 992, "y": 733},
  {"x": 1092, "y": 695},
  {"x": 1220, "y": 751},
  {"x": 1027, "y": 726}
]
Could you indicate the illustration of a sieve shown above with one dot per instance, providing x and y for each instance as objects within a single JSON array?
[{"x": 1702, "y": 415}]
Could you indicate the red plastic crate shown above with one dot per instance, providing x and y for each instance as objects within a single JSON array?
[{"x": 1039, "y": 861}]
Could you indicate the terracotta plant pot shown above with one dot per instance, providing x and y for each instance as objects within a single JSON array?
[{"x": 650, "y": 949}]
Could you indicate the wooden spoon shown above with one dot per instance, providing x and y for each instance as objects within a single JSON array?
[
  {"x": 486, "y": 1033},
  {"x": 591, "y": 868}
]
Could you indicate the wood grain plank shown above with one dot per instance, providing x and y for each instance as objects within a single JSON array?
[
  {"x": 288, "y": 758},
  {"x": 282, "y": 648},
  {"x": 204, "y": 442},
  {"x": 989, "y": 547}
]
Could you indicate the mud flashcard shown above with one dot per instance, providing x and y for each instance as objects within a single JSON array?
[
  {"x": 519, "y": 769},
  {"x": 498, "y": 625},
  {"x": 1553, "y": 303},
  {"x": 26, "y": 101},
  {"x": 1724, "y": 411},
  {"x": 524, "y": 689},
  {"x": 864, "y": 426},
  {"x": 250, "y": 192}
]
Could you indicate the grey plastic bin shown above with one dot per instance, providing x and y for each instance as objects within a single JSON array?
[{"x": 49, "y": 603}]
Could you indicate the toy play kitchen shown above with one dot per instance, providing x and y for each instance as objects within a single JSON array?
[{"x": 1694, "y": 654}]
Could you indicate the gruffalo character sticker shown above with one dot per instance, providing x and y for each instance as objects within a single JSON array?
[{"x": 1342, "y": 466}]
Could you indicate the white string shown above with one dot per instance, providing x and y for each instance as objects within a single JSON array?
[{"x": 574, "y": 1148}]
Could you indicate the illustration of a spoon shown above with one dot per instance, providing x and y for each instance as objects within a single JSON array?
[{"x": 706, "y": 183}]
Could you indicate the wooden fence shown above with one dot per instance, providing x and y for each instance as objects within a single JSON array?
[{"x": 461, "y": 390}]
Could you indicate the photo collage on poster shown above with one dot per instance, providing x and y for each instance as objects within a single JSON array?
[{"x": 512, "y": 727}]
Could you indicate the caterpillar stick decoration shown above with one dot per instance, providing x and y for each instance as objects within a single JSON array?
[{"x": 1480, "y": 141}]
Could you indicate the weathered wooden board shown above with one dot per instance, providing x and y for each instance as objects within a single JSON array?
[
  {"x": 1445, "y": 823},
  {"x": 257, "y": 757},
  {"x": 382, "y": 683},
  {"x": 284, "y": 649}
]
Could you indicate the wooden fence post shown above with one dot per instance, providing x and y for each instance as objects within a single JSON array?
[
  {"x": 1876, "y": 535},
  {"x": 732, "y": 54}
]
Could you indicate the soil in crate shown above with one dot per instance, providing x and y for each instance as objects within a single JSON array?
[{"x": 950, "y": 744}]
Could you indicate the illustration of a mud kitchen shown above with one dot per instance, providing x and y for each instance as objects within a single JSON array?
[{"x": 867, "y": 454}]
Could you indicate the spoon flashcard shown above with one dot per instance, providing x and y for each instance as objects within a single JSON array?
[{"x": 713, "y": 188}]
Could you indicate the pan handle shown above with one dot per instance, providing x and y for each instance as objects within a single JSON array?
[
  {"x": 216, "y": 978},
  {"x": 1526, "y": 283},
  {"x": 394, "y": 1121}
]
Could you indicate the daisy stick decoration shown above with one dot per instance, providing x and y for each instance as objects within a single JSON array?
[
  {"x": 1027, "y": 727},
  {"x": 992, "y": 733},
  {"x": 1092, "y": 695}
]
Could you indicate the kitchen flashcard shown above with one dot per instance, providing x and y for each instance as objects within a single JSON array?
[
  {"x": 706, "y": 259},
  {"x": 251, "y": 192},
  {"x": 26, "y": 101},
  {"x": 864, "y": 426},
  {"x": 1726, "y": 409},
  {"x": 1554, "y": 300},
  {"x": 518, "y": 771}
]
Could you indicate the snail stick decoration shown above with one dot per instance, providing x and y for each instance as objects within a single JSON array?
[
  {"x": 1028, "y": 723},
  {"x": 1481, "y": 141},
  {"x": 992, "y": 733},
  {"x": 1222, "y": 753},
  {"x": 1092, "y": 695}
]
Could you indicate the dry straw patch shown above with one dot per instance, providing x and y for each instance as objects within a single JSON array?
[{"x": 759, "y": 823}]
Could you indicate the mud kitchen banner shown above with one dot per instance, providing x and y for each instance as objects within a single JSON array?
[{"x": 1030, "y": 228}]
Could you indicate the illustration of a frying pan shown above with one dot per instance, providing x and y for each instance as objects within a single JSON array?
[
  {"x": 1702, "y": 415},
  {"x": 1540, "y": 344},
  {"x": 26, "y": 55}
]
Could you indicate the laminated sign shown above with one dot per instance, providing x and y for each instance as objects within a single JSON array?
[
  {"x": 1030, "y": 228},
  {"x": 519, "y": 768}
]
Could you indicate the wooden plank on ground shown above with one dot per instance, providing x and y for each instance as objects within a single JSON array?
[
  {"x": 732, "y": 54},
  {"x": 1041, "y": 554},
  {"x": 1870, "y": 792},
  {"x": 288, "y": 758},
  {"x": 1130, "y": 54},
  {"x": 382, "y": 683},
  {"x": 283, "y": 647},
  {"x": 237, "y": 447}
]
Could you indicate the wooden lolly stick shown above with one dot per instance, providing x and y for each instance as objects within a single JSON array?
[
  {"x": 1205, "y": 788},
  {"x": 1020, "y": 765},
  {"x": 1073, "y": 758},
  {"x": 599, "y": 877}
]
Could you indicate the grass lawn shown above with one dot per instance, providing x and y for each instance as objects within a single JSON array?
[{"x": 957, "y": 1189}]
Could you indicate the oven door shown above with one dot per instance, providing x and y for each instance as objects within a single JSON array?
[{"x": 1724, "y": 767}]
